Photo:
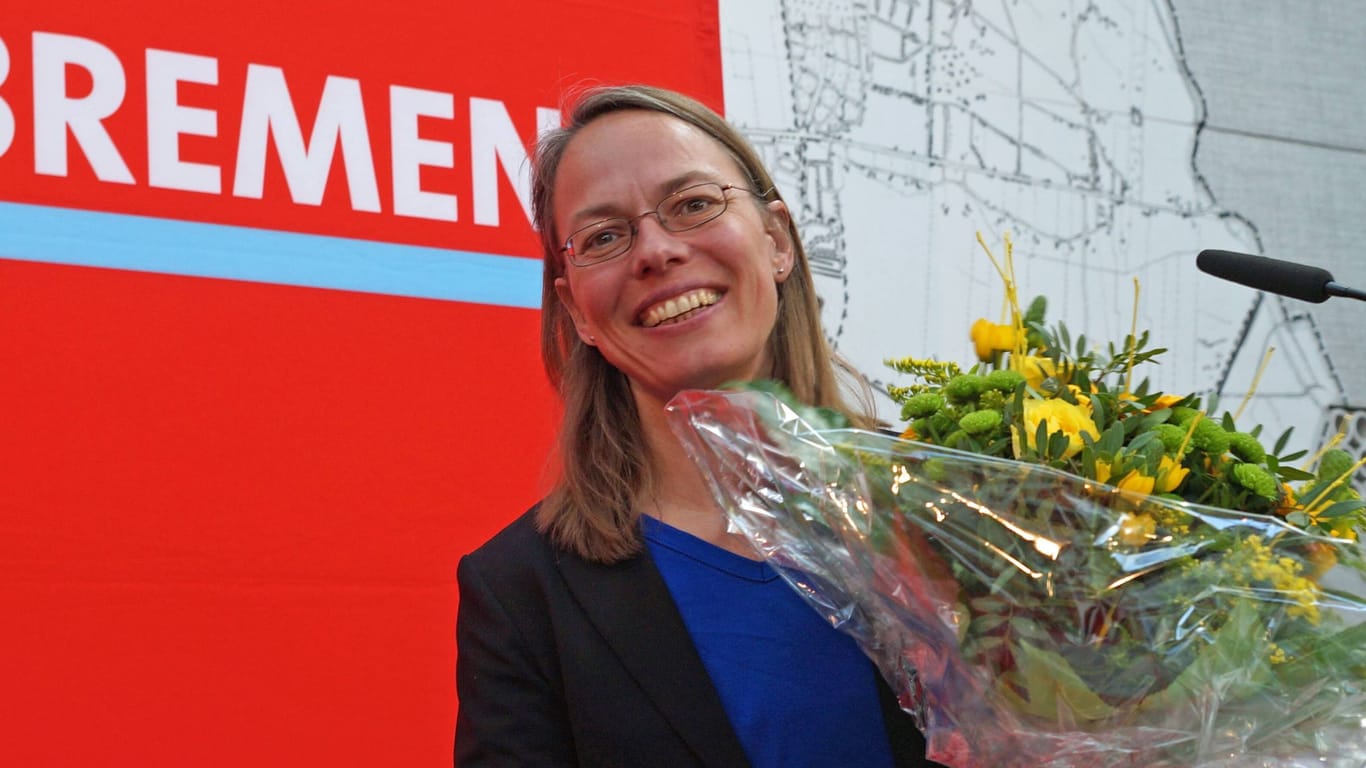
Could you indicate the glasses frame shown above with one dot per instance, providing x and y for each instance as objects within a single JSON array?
[{"x": 633, "y": 228}]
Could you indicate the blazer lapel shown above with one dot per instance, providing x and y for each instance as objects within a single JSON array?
[{"x": 632, "y": 608}]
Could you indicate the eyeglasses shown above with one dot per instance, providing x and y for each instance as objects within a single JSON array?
[{"x": 686, "y": 209}]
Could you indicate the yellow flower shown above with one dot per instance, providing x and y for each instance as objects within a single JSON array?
[
  {"x": 1277, "y": 655},
  {"x": 1136, "y": 484},
  {"x": 1343, "y": 528},
  {"x": 1136, "y": 530},
  {"x": 1170, "y": 473},
  {"x": 1288, "y": 501},
  {"x": 1102, "y": 471},
  {"x": 1163, "y": 401},
  {"x": 990, "y": 338},
  {"x": 1283, "y": 574},
  {"x": 1133, "y": 485},
  {"x": 1084, "y": 400},
  {"x": 1035, "y": 369},
  {"x": 1060, "y": 416}
]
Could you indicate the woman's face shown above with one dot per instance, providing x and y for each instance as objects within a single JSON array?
[{"x": 637, "y": 308}]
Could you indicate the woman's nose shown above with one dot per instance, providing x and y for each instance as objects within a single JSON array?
[{"x": 655, "y": 248}]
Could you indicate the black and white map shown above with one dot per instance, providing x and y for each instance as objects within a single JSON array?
[{"x": 1112, "y": 140}]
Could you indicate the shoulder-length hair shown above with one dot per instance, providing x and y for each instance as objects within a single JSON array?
[{"x": 592, "y": 508}]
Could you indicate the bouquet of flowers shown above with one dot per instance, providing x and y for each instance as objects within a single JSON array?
[{"x": 1055, "y": 568}]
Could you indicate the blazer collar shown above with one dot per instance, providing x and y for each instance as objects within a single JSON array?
[{"x": 630, "y": 605}]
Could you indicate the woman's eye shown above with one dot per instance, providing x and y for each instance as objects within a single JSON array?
[
  {"x": 600, "y": 239},
  {"x": 694, "y": 206},
  {"x": 603, "y": 239}
]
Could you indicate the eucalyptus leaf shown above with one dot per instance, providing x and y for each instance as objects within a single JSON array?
[
  {"x": 1341, "y": 508},
  {"x": 1053, "y": 687}
]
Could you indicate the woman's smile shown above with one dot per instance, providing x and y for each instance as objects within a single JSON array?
[{"x": 679, "y": 308}]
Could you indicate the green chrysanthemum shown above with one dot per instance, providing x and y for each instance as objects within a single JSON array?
[
  {"x": 1246, "y": 447},
  {"x": 1334, "y": 464},
  {"x": 1210, "y": 437},
  {"x": 1171, "y": 436},
  {"x": 964, "y": 387},
  {"x": 1004, "y": 380},
  {"x": 1256, "y": 479},
  {"x": 921, "y": 405},
  {"x": 1182, "y": 415},
  {"x": 980, "y": 422}
]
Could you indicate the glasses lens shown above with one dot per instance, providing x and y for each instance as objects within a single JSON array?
[
  {"x": 692, "y": 206},
  {"x": 599, "y": 241}
]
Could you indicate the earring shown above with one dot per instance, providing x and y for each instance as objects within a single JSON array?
[{"x": 780, "y": 270}]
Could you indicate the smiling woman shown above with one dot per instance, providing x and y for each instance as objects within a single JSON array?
[
  {"x": 619, "y": 622},
  {"x": 633, "y": 161}
]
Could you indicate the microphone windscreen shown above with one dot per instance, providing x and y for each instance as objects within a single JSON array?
[{"x": 1285, "y": 278}]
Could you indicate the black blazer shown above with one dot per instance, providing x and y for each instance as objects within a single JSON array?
[{"x": 563, "y": 662}]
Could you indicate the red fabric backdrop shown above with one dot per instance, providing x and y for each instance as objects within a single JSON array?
[{"x": 230, "y": 511}]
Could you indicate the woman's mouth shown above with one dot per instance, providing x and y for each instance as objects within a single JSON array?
[{"x": 676, "y": 309}]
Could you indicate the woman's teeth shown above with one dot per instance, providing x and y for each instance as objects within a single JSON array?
[{"x": 678, "y": 306}]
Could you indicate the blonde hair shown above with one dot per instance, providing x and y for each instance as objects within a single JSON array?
[{"x": 591, "y": 509}]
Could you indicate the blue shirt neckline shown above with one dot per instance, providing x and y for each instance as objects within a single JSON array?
[{"x": 680, "y": 541}]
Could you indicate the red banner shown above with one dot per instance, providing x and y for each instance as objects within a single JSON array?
[{"x": 232, "y": 497}]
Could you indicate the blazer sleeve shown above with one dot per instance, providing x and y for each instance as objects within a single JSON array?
[{"x": 511, "y": 713}]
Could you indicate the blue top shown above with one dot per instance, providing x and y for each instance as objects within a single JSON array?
[{"x": 799, "y": 693}]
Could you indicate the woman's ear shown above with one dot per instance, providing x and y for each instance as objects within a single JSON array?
[
  {"x": 778, "y": 227},
  {"x": 567, "y": 299}
]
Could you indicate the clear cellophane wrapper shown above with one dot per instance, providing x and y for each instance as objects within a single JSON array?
[{"x": 1029, "y": 617}]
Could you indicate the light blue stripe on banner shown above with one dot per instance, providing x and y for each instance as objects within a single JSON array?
[{"x": 170, "y": 246}]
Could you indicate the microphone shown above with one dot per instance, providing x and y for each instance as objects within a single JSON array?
[{"x": 1297, "y": 281}]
